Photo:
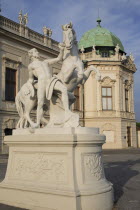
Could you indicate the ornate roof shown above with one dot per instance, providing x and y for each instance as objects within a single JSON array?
[{"x": 99, "y": 36}]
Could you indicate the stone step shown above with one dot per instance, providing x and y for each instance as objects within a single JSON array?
[{"x": 6, "y": 207}]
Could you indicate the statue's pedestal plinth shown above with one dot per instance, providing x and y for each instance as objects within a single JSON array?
[{"x": 56, "y": 169}]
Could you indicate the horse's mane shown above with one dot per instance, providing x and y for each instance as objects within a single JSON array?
[{"x": 74, "y": 33}]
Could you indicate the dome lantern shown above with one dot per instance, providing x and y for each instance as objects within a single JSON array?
[
  {"x": 98, "y": 22},
  {"x": 100, "y": 37}
]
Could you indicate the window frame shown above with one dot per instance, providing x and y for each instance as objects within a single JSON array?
[
  {"x": 106, "y": 97},
  {"x": 127, "y": 100},
  {"x": 104, "y": 53},
  {"x": 10, "y": 82}
]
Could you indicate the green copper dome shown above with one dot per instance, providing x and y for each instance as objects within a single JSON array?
[{"x": 99, "y": 36}]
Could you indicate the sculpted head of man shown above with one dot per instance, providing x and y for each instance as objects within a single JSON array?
[{"x": 33, "y": 53}]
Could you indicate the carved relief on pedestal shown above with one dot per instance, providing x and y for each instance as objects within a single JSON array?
[
  {"x": 93, "y": 167},
  {"x": 40, "y": 167}
]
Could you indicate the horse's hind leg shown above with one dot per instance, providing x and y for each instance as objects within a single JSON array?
[
  {"x": 22, "y": 122},
  {"x": 18, "y": 124},
  {"x": 26, "y": 123},
  {"x": 27, "y": 116},
  {"x": 29, "y": 107}
]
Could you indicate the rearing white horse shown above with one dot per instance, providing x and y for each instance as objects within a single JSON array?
[{"x": 72, "y": 72}]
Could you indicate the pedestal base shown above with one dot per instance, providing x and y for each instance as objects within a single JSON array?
[{"x": 56, "y": 169}]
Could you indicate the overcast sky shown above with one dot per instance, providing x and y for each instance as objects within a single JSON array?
[{"x": 122, "y": 17}]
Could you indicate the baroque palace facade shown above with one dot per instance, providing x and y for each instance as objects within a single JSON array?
[{"x": 107, "y": 103}]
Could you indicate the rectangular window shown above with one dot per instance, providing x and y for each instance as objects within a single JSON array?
[
  {"x": 105, "y": 54},
  {"x": 77, "y": 102},
  {"x": 106, "y": 98},
  {"x": 10, "y": 84},
  {"x": 126, "y": 100}
]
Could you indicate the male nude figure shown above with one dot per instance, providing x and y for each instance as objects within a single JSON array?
[{"x": 42, "y": 70}]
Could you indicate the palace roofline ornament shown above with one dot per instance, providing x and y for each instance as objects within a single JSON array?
[
  {"x": 23, "y": 19},
  {"x": 107, "y": 80}
]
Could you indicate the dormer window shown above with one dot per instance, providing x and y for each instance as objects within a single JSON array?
[{"x": 105, "y": 54}]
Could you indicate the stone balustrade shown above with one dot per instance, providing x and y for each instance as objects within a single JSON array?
[
  {"x": 34, "y": 36},
  {"x": 26, "y": 32},
  {"x": 8, "y": 24},
  {"x": 93, "y": 56}
]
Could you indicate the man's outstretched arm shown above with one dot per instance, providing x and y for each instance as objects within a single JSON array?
[{"x": 60, "y": 56}]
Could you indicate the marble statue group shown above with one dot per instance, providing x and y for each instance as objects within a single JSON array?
[{"x": 45, "y": 91}]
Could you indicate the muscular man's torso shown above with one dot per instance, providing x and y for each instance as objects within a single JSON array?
[{"x": 41, "y": 70}]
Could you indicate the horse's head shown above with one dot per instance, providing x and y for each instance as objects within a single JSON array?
[{"x": 69, "y": 35}]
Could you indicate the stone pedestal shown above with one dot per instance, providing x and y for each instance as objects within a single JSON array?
[{"x": 56, "y": 169}]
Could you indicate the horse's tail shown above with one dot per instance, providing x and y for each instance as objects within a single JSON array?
[
  {"x": 96, "y": 70},
  {"x": 19, "y": 105}
]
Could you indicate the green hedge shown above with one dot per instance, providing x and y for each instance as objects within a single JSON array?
[{"x": 138, "y": 124}]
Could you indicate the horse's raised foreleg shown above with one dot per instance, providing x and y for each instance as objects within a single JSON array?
[
  {"x": 80, "y": 71},
  {"x": 66, "y": 72}
]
